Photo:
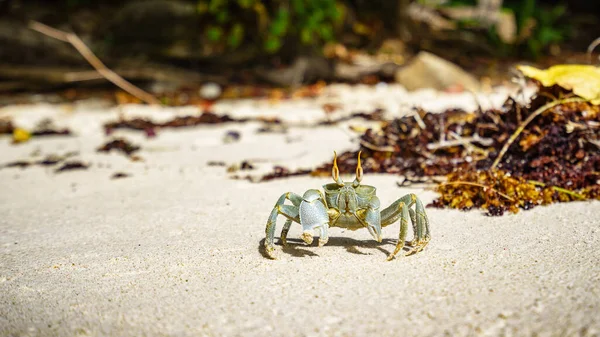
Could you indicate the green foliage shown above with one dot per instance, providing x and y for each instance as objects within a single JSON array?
[
  {"x": 538, "y": 26},
  {"x": 214, "y": 34},
  {"x": 547, "y": 31},
  {"x": 236, "y": 35},
  {"x": 233, "y": 22}
]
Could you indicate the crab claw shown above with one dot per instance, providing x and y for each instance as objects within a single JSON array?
[
  {"x": 375, "y": 232},
  {"x": 324, "y": 234},
  {"x": 307, "y": 237},
  {"x": 314, "y": 216}
]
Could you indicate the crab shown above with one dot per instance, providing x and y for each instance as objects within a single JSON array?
[{"x": 348, "y": 205}]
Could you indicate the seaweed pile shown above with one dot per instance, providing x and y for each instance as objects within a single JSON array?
[{"x": 506, "y": 159}]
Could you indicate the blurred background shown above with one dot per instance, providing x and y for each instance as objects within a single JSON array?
[{"x": 168, "y": 46}]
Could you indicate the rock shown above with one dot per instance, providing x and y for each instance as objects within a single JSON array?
[
  {"x": 303, "y": 70},
  {"x": 363, "y": 64},
  {"x": 427, "y": 70}
]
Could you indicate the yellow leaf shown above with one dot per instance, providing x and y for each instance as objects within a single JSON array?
[
  {"x": 21, "y": 135},
  {"x": 583, "y": 80}
]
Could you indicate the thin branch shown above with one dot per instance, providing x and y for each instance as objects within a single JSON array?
[
  {"x": 419, "y": 120},
  {"x": 591, "y": 48},
  {"x": 468, "y": 145},
  {"x": 531, "y": 117},
  {"x": 94, "y": 61},
  {"x": 49, "y": 31}
]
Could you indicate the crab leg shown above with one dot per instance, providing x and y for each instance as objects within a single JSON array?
[
  {"x": 285, "y": 231},
  {"x": 422, "y": 235},
  {"x": 403, "y": 230},
  {"x": 393, "y": 212},
  {"x": 290, "y": 212},
  {"x": 401, "y": 210}
]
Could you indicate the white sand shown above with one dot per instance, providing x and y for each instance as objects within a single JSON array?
[{"x": 174, "y": 249}]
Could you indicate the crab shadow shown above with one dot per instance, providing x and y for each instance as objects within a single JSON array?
[{"x": 294, "y": 246}]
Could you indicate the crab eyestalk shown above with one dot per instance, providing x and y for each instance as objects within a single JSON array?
[
  {"x": 359, "y": 172},
  {"x": 335, "y": 171}
]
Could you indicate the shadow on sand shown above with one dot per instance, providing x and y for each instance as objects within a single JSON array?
[{"x": 353, "y": 246}]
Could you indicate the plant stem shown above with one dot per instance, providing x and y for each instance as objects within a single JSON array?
[{"x": 558, "y": 189}]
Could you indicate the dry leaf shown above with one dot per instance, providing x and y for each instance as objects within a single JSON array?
[{"x": 583, "y": 80}]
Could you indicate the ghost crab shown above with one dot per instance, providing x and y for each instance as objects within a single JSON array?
[{"x": 348, "y": 205}]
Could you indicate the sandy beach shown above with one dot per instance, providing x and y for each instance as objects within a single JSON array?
[{"x": 175, "y": 249}]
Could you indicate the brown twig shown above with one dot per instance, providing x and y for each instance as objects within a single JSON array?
[
  {"x": 94, "y": 61},
  {"x": 374, "y": 147},
  {"x": 531, "y": 117},
  {"x": 478, "y": 185},
  {"x": 464, "y": 141}
]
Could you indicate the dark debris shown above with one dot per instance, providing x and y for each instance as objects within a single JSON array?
[
  {"x": 6, "y": 127},
  {"x": 47, "y": 128},
  {"x": 72, "y": 165},
  {"x": 281, "y": 172},
  {"x": 150, "y": 127},
  {"x": 44, "y": 128},
  {"x": 19, "y": 164},
  {"x": 271, "y": 124},
  {"x": 120, "y": 145},
  {"x": 49, "y": 160},
  {"x": 120, "y": 175}
]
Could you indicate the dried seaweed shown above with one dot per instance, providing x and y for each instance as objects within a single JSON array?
[
  {"x": 376, "y": 115},
  {"x": 49, "y": 160},
  {"x": 44, "y": 128},
  {"x": 149, "y": 126},
  {"x": 278, "y": 172},
  {"x": 501, "y": 160},
  {"x": 550, "y": 150},
  {"x": 72, "y": 165},
  {"x": 498, "y": 192},
  {"x": 121, "y": 145},
  {"x": 47, "y": 128},
  {"x": 19, "y": 164}
]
